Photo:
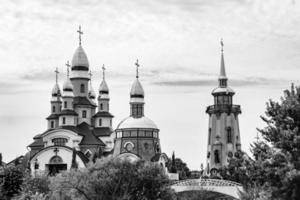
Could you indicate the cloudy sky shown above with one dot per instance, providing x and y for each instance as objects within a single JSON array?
[{"x": 177, "y": 43}]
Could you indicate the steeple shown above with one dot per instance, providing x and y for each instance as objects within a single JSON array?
[
  {"x": 137, "y": 96},
  {"x": 103, "y": 88},
  {"x": 222, "y": 76},
  {"x": 92, "y": 94},
  {"x": 56, "y": 94}
]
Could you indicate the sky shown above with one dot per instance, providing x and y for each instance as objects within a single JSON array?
[{"x": 178, "y": 45}]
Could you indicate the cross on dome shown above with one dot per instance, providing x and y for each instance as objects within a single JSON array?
[
  {"x": 56, "y": 74},
  {"x": 79, "y": 31},
  {"x": 137, "y": 68},
  {"x": 68, "y": 66},
  {"x": 103, "y": 71}
]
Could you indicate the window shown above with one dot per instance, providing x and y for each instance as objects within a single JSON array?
[
  {"x": 100, "y": 122},
  {"x": 65, "y": 104},
  {"x": 217, "y": 156},
  {"x": 52, "y": 124},
  {"x": 209, "y": 135},
  {"x": 64, "y": 120},
  {"x": 84, "y": 114},
  {"x": 101, "y": 106},
  {"x": 229, "y": 135},
  {"x": 133, "y": 134},
  {"x": 82, "y": 89},
  {"x": 53, "y": 109},
  {"x": 126, "y": 134},
  {"x": 110, "y": 122},
  {"x": 59, "y": 141},
  {"x": 88, "y": 154}
]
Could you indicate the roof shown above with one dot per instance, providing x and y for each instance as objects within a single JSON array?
[
  {"x": 88, "y": 136},
  {"x": 52, "y": 116},
  {"x": 103, "y": 114},
  {"x": 37, "y": 143},
  {"x": 137, "y": 89},
  {"x": 103, "y": 131},
  {"x": 142, "y": 122},
  {"x": 82, "y": 157},
  {"x": 82, "y": 101},
  {"x": 103, "y": 86},
  {"x": 226, "y": 90},
  {"x": 68, "y": 112},
  {"x": 55, "y": 90},
  {"x": 80, "y": 59},
  {"x": 222, "y": 69}
]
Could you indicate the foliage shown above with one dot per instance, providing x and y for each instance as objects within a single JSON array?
[
  {"x": 1, "y": 159},
  {"x": 173, "y": 164},
  {"x": 74, "y": 164},
  {"x": 38, "y": 184},
  {"x": 113, "y": 179},
  {"x": 11, "y": 181},
  {"x": 181, "y": 168}
]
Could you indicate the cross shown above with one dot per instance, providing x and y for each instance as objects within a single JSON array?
[
  {"x": 56, "y": 74},
  {"x": 103, "y": 71},
  {"x": 68, "y": 66},
  {"x": 56, "y": 151},
  {"x": 80, "y": 33},
  {"x": 137, "y": 68},
  {"x": 222, "y": 44}
]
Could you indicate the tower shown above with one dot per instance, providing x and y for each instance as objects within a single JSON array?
[
  {"x": 68, "y": 117},
  {"x": 137, "y": 137},
  {"x": 55, "y": 104},
  {"x": 223, "y": 129},
  {"x": 80, "y": 79}
]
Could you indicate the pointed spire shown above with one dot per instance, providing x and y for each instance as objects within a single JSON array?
[
  {"x": 103, "y": 72},
  {"x": 137, "y": 68},
  {"x": 79, "y": 31},
  {"x": 222, "y": 70}
]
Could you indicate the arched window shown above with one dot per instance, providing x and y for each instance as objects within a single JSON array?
[
  {"x": 82, "y": 89},
  {"x": 52, "y": 124},
  {"x": 100, "y": 122},
  {"x": 101, "y": 106},
  {"x": 65, "y": 104},
  {"x": 209, "y": 135},
  {"x": 110, "y": 122},
  {"x": 64, "y": 120},
  {"x": 59, "y": 141},
  {"x": 53, "y": 109},
  {"x": 217, "y": 156},
  {"x": 84, "y": 114},
  {"x": 229, "y": 135}
]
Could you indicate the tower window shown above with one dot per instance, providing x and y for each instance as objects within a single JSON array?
[
  {"x": 209, "y": 135},
  {"x": 101, "y": 106},
  {"x": 217, "y": 156},
  {"x": 110, "y": 122},
  {"x": 53, "y": 109},
  {"x": 100, "y": 122},
  {"x": 64, "y": 120},
  {"x": 52, "y": 124},
  {"x": 84, "y": 114},
  {"x": 82, "y": 89},
  {"x": 65, "y": 104},
  {"x": 59, "y": 141},
  {"x": 229, "y": 135}
]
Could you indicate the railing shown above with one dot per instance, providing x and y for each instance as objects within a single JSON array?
[
  {"x": 206, "y": 182},
  {"x": 223, "y": 108}
]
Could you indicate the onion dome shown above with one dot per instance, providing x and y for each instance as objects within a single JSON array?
[
  {"x": 92, "y": 94},
  {"x": 68, "y": 88},
  {"x": 80, "y": 60},
  {"x": 103, "y": 88},
  {"x": 142, "y": 122},
  {"x": 137, "y": 89},
  {"x": 56, "y": 92}
]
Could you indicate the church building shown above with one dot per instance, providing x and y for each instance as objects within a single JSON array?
[
  {"x": 79, "y": 129},
  {"x": 224, "y": 140}
]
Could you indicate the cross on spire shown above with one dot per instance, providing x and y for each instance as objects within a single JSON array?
[
  {"x": 137, "y": 68},
  {"x": 68, "y": 66},
  {"x": 103, "y": 71},
  {"x": 79, "y": 31},
  {"x": 56, "y": 75},
  {"x": 222, "y": 45}
]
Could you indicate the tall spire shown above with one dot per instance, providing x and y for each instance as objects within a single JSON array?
[
  {"x": 79, "y": 31},
  {"x": 222, "y": 76},
  {"x": 137, "y": 68},
  {"x": 103, "y": 72}
]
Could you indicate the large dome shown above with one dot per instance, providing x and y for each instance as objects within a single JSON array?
[
  {"x": 80, "y": 59},
  {"x": 142, "y": 122},
  {"x": 137, "y": 89}
]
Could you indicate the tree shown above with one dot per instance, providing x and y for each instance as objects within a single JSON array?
[
  {"x": 1, "y": 159},
  {"x": 113, "y": 179},
  {"x": 74, "y": 164},
  {"x": 180, "y": 166},
  {"x": 173, "y": 164}
]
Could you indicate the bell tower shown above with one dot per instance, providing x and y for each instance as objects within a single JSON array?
[{"x": 223, "y": 128}]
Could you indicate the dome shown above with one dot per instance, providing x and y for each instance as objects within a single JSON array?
[
  {"x": 67, "y": 85},
  {"x": 56, "y": 90},
  {"x": 223, "y": 90},
  {"x": 92, "y": 94},
  {"x": 103, "y": 87},
  {"x": 80, "y": 59},
  {"x": 142, "y": 122},
  {"x": 137, "y": 89}
]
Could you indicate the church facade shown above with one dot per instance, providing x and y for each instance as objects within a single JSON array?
[
  {"x": 224, "y": 140},
  {"x": 79, "y": 129}
]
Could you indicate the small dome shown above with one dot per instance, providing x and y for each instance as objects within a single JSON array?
[
  {"x": 68, "y": 86},
  {"x": 103, "y": 88},
  {"x": 80, "y": 59},
  {"x": 137, "y": 89},
  {"x": 226, "y": 90},
  {"x": 56, "y": 90},
  {"x": 92, "y": 94},
  {"x": 142, "y": 122}
]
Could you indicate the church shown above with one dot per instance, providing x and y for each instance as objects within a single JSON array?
[{"x": 79, "y": 126}]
